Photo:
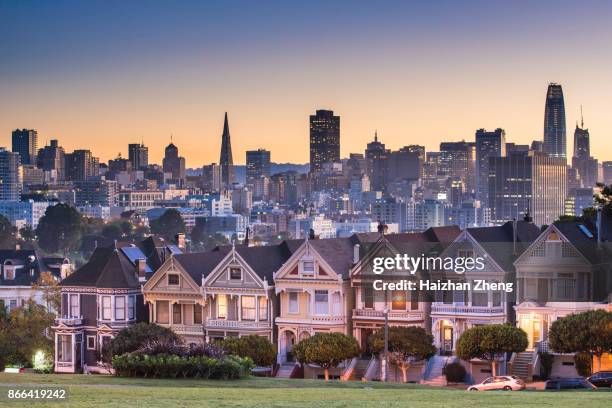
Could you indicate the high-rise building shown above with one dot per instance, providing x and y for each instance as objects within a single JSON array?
[
  {"x": 96, "y": 191},
  {"x": 488, "y": 144},
  {"x": 10, "y": 177},
  {"x": 554, "y": 122},
  {"x": 257, "y": 165},
  {"x": 457, "y": 162},
  {"x": 531, "y": 181},
  {"x": 211, "y": 178},
  {"x": 377, "y": 164},
  {"x": 25, "y": 142},
  {"x": 585, "y": 165},
  {"x": 173, "y": 164},
  {"x": 324, "y": 139},
  {"x": 80, "y": 165},
  {"x": 52, "y": 160},
  {"x": 138, "y": 154},
  {"x": 405, "y": 164},
  {"x": 226, "y": 160},
  {"x": 607, "y": 172}
]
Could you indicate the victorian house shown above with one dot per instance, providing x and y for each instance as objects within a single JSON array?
[
  {"x": 566, "y": 270},
  {"x": 212, "y": 295},
  {"x": 98, "y": 300},
  {"x": 314, "y": 291},
  {"x": 453, "y": 312}
]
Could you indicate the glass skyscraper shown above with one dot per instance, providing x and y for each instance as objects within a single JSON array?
[{"x": 554, "y": 122}]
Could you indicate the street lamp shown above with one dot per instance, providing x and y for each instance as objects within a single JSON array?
[{"x": 385, "y": 361}]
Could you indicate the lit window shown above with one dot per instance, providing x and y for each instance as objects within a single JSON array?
[
  {"x": 74, "y": 305},
  {"x": 222, "y": 307},
  {"x": 248, "y": 307},
  {"x": 263, "y": 308}
]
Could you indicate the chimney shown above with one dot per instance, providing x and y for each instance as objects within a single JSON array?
[
  {"x": 180, "y": 240},
  {"x": 355, "y": 254},
  {"x": 140, "y": 269}
]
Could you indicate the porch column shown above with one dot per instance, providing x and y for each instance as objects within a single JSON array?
[
  {"x": 311, "y": 293},
  {"x": 240, "y": 307},
  {"x": 257, "y": 308}
]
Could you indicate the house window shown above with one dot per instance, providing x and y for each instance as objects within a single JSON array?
[
  {"x": 12, "y": 304},
  {"x": 263, "y": 308},
  {"x": 91, "y": 342},
  {"x": 414, "y": 300},
  {"x": 235, "y": 274},
  {"x": 480, "y": 299},
  {"x": 565, "y": 288},
  {"x": 9, "y": 273},
  {"x": 64, "y": 348},
  {"x": 173, "y": 279},
  {"x": 308, "y": 268},
  {"x": 74, "y": 305},
  {"x": 248, "y": 307},
  {"x": 162, "y": 310},
  {"x": 293, "y": 302},
  {"x": 131, "y": 307},
  {"x": 119, "y": 307},
  {"x": 368, "y": 297},
  {"x": 497, "y": 298},
  {"x": 222, "y": 307},
  {"x": 197, "y": 314},
  {"x": 106, "y": 308},
  {"x": 177, "y": 313},
  {"x": 398, "y": 300},
  {"x": 321, "y": 302}
]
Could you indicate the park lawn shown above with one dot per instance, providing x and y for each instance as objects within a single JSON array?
[{"x": 96, "y": 390}]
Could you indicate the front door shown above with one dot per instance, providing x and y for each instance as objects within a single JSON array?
[{"x": 447, "y": 340}]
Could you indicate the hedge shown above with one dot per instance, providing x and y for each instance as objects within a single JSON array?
[{"x": 172, "y": 366}]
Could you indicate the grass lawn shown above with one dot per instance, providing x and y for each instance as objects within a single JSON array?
[{"x": 96, "y": 390}]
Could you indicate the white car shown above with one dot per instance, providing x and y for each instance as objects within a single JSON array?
[{"x": 502, "y": 382}]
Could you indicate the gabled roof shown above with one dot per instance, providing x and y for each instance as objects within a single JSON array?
[
  {"x": 107, "y": 268},
  {"x": 29, "y": 261}
]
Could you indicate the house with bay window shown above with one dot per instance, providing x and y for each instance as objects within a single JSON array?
[
  {"x": 314, "y": 291},
  {"x": 98, "y": 300},
  {"x": 453, "y": 312},
  {"x": 566, "y": 270}
]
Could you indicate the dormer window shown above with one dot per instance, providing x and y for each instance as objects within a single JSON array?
[
  {"x": 308, "y": 268},
  {"x": 235, "y": 274},
  {"x": 9, "y": 273},
  {"x": 173, "y": 279}
]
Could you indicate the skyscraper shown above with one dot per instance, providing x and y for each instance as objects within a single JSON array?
[
  {"x": 226, "y": 161},
  {"x": 138, "y": 154},
  {"x": 174, "y": 164},
  {"x": 25, "y": 142},
  {"x": 324, "y": 139},
  {"x": 10, "y": 180},
  {"x": 488, "y": 144},
  {"x": 80, "y": 165},
  {"x": 582, "y": 162},
  {"x": 457, "y": 162},
  {"x": 527, "y": 180},
  {"x": 257, "y": 165},
  {"x": 554, "y": 122},
  {"x": 377, "y": 164},
  {"x": 52, "y": 160}
]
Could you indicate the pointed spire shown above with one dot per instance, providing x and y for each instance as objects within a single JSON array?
[
  {"x": 226, "y": 160},
  {"x": 376, "y": 135},
  {"x": 581, "y": 118}
]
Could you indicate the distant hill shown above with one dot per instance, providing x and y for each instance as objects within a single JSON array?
[{"x": 240, "y": 170}]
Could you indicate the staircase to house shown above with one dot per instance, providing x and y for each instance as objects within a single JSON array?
[
  {"x": 520, "y": 365},
  {"x": 434, "y": 373},
  {"x": 360, "y": 369},
  {"x": 285, "y": 370}
]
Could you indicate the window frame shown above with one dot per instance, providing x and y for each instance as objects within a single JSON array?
[
  {"x": 244, "y": 309},
  {"x": 120, "y": 309},
  {"x": 95, "y": 342},
  {"x": 295, "y": 302},
  {"x": 231, "y": 271},
  {"x": 178, "y": 279},
  {"x": 318, "y": 303},
  {"x": 104, "y": 308}
]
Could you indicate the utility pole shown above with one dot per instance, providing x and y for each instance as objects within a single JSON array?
[{"x": 385, "y": 361}]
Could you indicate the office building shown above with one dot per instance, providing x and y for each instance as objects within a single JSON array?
[
  {"x": 324, "y": 139},
  {"x": 488, "y": 144},
  {"x": 257, "y": 165},
  {"x": 10, "y": 175},
  {"x": 25, "y": 142},
  {"x": 554, "y": 122},
  {"x": 138, "y": 155},
  {"x": 51, "y": 159},
  {"x": 174, "y": 165}
]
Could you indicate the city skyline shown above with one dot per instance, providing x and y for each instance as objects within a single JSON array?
[{"x": 413, "y": 72}]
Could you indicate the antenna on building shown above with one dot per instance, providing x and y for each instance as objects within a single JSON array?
[
  {"x": 376, "y": 135},
  {"x": 581, "y": 118}
]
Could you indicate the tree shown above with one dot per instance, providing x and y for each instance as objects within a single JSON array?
[
  {"x": 7, "y": 233},
  {"x": 23, "y": 333},
  {"x": 258, "y": 348},
  {"x": 326, "y": 350},
  {"x": 59, "y": 230},
  {"x": 168, "y": 224},
  {"x": 587, "y": 333},
  {"x": 406, "y": 344},
  {"x": 136, "y": 336},
  {"x": 27, "y": 235},
  {"x": 490, "y": 342},
  {"x": 51, "y": 290}
]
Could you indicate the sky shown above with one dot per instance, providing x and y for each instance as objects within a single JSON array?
[{"x": 102, "y": 74}]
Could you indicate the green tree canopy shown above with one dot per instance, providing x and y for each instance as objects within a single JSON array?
[
  {"x": 406, "y": 344},
  {"x": 490, "y": 342},
  {"x": 258, "y": 348},
  {"x": 588, "y": 332},
  {"x": 59, "y": 230},
  {"x": 168, "y": 224},
  {"x": 135, "y": 336},
  {"x": 326, "y": 350},
  {"x": 7, "y": 233}
]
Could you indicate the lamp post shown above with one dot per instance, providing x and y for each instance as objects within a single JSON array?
[{"x": 385, "y": 361}]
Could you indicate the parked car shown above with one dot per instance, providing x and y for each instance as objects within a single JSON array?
[
  {"x": 601, "y": 379},
  {"x": 502, "y": 382},
  {"x": 560, "y": 384}
]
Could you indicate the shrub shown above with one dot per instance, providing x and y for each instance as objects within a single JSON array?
[
  {"x": 206, "y": 350},
  {"x": 454, "y": 372},
  {"x": 546, "y": 362},
  {"x": 173, "y": 366},
  {"x": 258, "y": 348},
  {"x": 583, "y": 363},
  {"x": 136, "y": 336},
  {"x": 162, "y": 346}
]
